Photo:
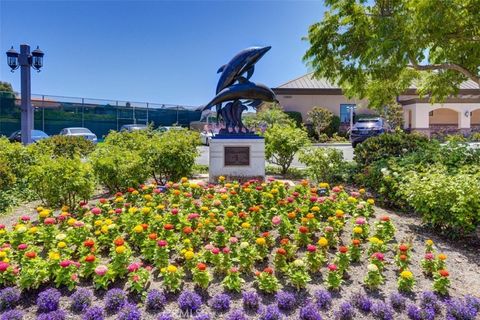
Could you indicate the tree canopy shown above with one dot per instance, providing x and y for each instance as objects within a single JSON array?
[
  {"x": 6, "y": 87},
  {"x": 377, "y": 49}
]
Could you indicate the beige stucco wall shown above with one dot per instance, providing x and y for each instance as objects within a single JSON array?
[
  {"x": 304, "y": 103},
  {"x": 444, "y": 116},
  {"x": 476, "y": 117}
]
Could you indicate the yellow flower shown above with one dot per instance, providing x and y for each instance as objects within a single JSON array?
[
  {"x": 339, "y": 213},
  {"x": 97, "y": 233},
  {"x": 132, "y": 210},
  {"x": 351, "y": 200},
  {"x": 261, "y": 241},
  {"x": 224, "y": 197},
  {"x": 2, "y": 231},
  {"x": 406, "y": 274},
  {"x": 184, "y": 179},
  {"x": 108, "y": 222},
  {"x": 119, "y": 199},
  {"x": 357, "y": 230},
  {"x": 39, "y": 209},
  {"x": 54, "y": 256},
  {"x": 361, "y": 191},
  {"x": 171, "y": 269},
  {"x": 3, "y": 254},
  {"x": 274, "y": 191},
  {"x": 370, "y": 201},
  {"x": 98, "y": 223},
  {"x": 65, "y": 208},
  {"x": 71, "y": 221},
  {"x": 323, "y": 185},
  {"x": 189, "y": 255},
  {"x": 138, "y": 229},
  {"x": 322, "y": 242},
  {"x": 33, "y": 230},
  {"x": 221, "y": 178},
  {"x": 374, "y": 240},
  {"x": 120, "y": 249},
  {"x": 44, "y": 213},
  {"x": 61, "y": 244},
  {"x": 429, "y": 242},
  {"x": 187, "y": 241},
  {"x": 245, "y": 225},
  {"x": 104, "y": 229},
  {"x": 135, "y": 192},
  {"x": 315, "y": 209},
  {"x": 163, "y": 270},
  {"x": 161, "y": 206},
  {"x": 6, "y": 260},
  {"x": 148, "y": 197},
  {"x": 204, "y": 209},
  {"x": 247, "y": 190},
  {"x": 146, "y": 210}
]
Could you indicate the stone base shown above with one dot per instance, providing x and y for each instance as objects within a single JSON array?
[{"x": 245, "y": 158}]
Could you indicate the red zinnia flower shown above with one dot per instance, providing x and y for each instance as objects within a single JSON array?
[
  {"x": 343, "y": 249},
  {"x": 443, "y": 273},
  {"x": 385, "y": 218},
  {"x": 403, "y": 247},
  {"x": 65, "y": 263},
  {"x": 284, "y": 241},
  {"x": 31, "y": 254},
  {"x": 168, "y": 226},
  {"x": 187, "y": 230},
  {"x": 88, "y": 243},
  {"x": 119, "y": 242},
  {"x": 90, "y": 258},
  {"x": 281, "y": 251},
  {"x": 268, "y": 270},
  {"x": 356, "y": 242},
  {"x": 311, "y": 248},
  {"x": 49, "y": 221},
  {"x": 403, "y": 257},
  {"x": 152, "y": 236},
  {"x": 201, "y": 266},
  {"x": 303, "y": 229}
]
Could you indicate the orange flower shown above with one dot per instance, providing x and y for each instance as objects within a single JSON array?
[
  {"x": 268, "y": 270},
  {"x": 90, "y": 258},
  {"x": 201, "y": 266},
  {"x": 168, "y": 226},
  {"x": 310, "y": 215},
  {"x": 442, "y": 256},
  {"x": 303, "y": 229},
  {"x": 403, "y": 247},
  {"x": 292, "y": 215},
  {"x": 31, "y": 254},
  {"x": 88, "y": 243},
  {"x": 343, "y": 249},
  {"x": 187, "y": 230},
  {"x": 229, "y": 214},
  {"x": 356, "y": 242},
  {"x": 119, "y": 242},
  {"x": 284, "y": 241},
  {"x": 152, "y": 236},
  {"x": 281, "y": 251},
  {"x": 444, "y": 273}
]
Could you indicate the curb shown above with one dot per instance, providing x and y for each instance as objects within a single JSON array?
[{"x": 348, "y": 144}]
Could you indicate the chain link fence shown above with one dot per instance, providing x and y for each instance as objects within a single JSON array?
[{"x": 53, "y": 113}]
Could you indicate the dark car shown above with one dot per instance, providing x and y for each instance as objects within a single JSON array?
[
  {"x": 36, "y": 136},
  {"x": 366, "y": 128}
]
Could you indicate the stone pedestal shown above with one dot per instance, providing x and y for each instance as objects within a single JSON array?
[{"x": 237, "y": 157}]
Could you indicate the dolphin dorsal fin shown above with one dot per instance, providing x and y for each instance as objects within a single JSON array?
[
  {"x": 242, "y": 80},
  {"x": 221, "y": 69},
  {"x": 250, "y": 72}
]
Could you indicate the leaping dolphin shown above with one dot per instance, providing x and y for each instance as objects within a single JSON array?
[
  {"x": 239, "y": 91},
  {"x": 243, "y": 62}
]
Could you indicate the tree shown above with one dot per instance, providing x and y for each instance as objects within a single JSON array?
[
  {"x": 269, "y": 115},
  {"x": 321, "y": 118},
  {"x": 282, "y": 142},
  {"x": 376, "y": 50},
  {"x": 6, "y": 87}
]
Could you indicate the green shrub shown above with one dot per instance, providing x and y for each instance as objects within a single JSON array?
[
  {"x": 321, "y": 119},
  {"x": 296, "y": 117},
  {"x": 282, "y": 143},
  {"x": 455, "y": 138},
  {"x": 65, "y": 146},
  {"x": 62, "y": 181},
  {"x": 449, "y": 203},
  {"x": 388, "y": 145},
  {"x": 171, "y": 155},
  {"x": 324, "y": 164},
  {"x": 118, "y": 168},
  {"x": 133, "y": 141},
  {"x": 334, "y": 126},
  {"x": 475, "y": 137},
  {"x": 273, "y": 114}
]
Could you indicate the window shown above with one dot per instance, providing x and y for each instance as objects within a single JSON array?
[{"x": 345, "y": 112}]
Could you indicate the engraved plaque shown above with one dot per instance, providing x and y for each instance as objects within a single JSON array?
[{"x": 237, "y": 156}]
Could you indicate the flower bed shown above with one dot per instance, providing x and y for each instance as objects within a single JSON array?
[{"x": 275, "y": 248}]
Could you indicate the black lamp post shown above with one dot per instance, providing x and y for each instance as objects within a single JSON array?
[{"x": 25, "y": 60}]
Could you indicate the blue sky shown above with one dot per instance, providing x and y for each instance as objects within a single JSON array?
[{"x": 155, "y": 51}]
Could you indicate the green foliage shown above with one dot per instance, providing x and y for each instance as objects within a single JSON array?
[
  {"x": 321, "y": 119},
  {"x": 296, "y": 117},
  {"x": 61, "y": 181},
  {"x": 324, "y": 164},
  {"x": 273, "y": 114},
  {"x": 376, "y": 49},
  {"x": 6, "y": 87},
  {"x": 171, "y": 155},
  {"x": 475, "y": 137},
  {"x": 66, "y": 146},
  {"x": 388, "y": 145},
  {"x": 117, "y": 167},
  {"x": 282, "y": 142}
]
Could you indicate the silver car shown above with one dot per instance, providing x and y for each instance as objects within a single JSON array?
[
  {"x": 79, "y": 131},
  {"x": 366, "y": 128},
  {"x": 133, "y": 127}
]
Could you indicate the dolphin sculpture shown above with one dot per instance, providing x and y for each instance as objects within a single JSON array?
[
  {"x": 243, "y": 62},
  {"x": 239, "y": 91}
]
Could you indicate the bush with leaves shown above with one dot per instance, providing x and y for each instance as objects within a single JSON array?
[
  {"x": 282, "y": 143},
  {"x": 324, "y": 164},
  {"x": 296, "y": 117},
  {"x": 270, "y": 115},
  {"x": 321, "y": 119},
  {"x": 388, "y": 145},
  {"x": 61, "y": 181},
  {"x": 171, "y": 155},
  {"x": 65, "y": 146}
]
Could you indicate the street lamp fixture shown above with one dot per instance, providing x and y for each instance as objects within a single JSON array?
[{"x": 25, "y": 60}]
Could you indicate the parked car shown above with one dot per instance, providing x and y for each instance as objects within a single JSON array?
[
  {"x": 206, "y": 136},
  {"x": 366, "y": 128},
  {"x": 165, "y": 129},
  {"x": 133, "y": 127},
  {"x": 36, "y": 136},
  {"x": 79, "y": 131}
]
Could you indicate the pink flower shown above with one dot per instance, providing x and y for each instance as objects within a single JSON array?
[
  {"x": 360, "y": 221},
  {"x": 135, "y": 278},
  {"x": 332, "y": 267},
  {"x": 226, "y": 250},
  {"x": 103, "y": 200},
  {"x": 360, "y": 206},
  {"x": 118, "y": 210},
  {"x": 192, "y": 216},
  {"x": 22, "y": 246},
  {"x": 336, "y": 189},
  {"x": 355, "y": 194},
  {"x": 25, "y": 218},
  {"x": 133, "y": 267},
  {"x": 74, "y": 277},
  {"x": 295, "y": 194},
  {"x": 276, "y": 220},
  {"x": 233, "y": 239},
  {"x": 96, "y": 211},
  {"x": 162, "y": 243},
  {"x": 78, "y": 224},
  {"x": 321, "y": 199},
  {"x": 215, "y": 251},
  {"x": 220, "y": 229},
  {"x": 49, "y": 221},
  {"x": 429, "y": 256},
  {"x": 101, "y": 270},
  {"x": 313, "y": 199},
  {"x": 3, "y": 266},
  {"x": 378, "y": 255},
  {"x": 311, "y": 248},
  {"x": 174, "y": 211},
  {"x": 209, "y": 247},
  {"x": 65, "y": 263},
  {"x": 290, "y": 199},
  {"x": 328, "y": 229},
  {"x": 2, "y": 226}
]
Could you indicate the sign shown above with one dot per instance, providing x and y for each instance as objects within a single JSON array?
[{"x": 237, "y": 156}]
